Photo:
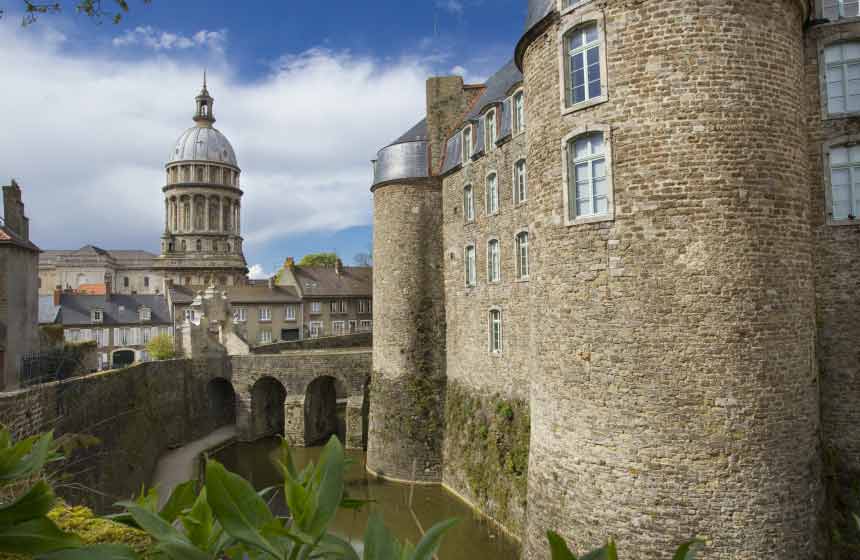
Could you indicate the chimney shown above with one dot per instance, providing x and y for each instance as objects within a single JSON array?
[
  {"x": 58, "y": 291},
  {"x": 448, "y": 100},
  {"x": 338, "y": 266},
  {"x": 271, "y": 282},
  {"x": 108, "y": 285},
  {"x": 13, "y": 211}
]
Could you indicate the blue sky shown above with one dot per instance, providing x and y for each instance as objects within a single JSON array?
[{"x": 305, "y": 91}]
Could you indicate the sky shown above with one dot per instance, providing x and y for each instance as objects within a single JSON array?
[{"x": 306, "y": 92}]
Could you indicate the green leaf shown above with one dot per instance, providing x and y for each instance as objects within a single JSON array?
[
  {"x": 330, "y": 487},
  {"x": 429, "y": 543},
  {"x": 199, "y": 523},
  {"x": 689, "y": 549},
  {"x": 607, "y": 552},
  {"x": 378, "y": 542},
  {"x": 93, "y": 552},
  {"x": 34, "y": 537},
  {"x": 180, "y": 551},
  {"x": 332, "y": 545},
  {"x": 154, "y": 524},
  {"x": 287, "y": 459},
  {"x": 182, "y": 498},
  {"x": 35, "y": 503},
  {"x": 558, "y": 547},
  {"x": 237, "y": 507},
  {"x": 26, "y": 457}
]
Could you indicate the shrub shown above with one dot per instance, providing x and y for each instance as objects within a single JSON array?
[{"x": 161, "y": 347}]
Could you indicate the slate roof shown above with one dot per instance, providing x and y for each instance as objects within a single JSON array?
[
  {"x": 120, "y": 256},
  {"x": 497, "y": 87},
  {"x": 417, "y": 133},
  {"x": 119, "y": 309},
  {"x": 318, "y": 281},
  {"x": 538, "y": 9},
  {"x": 47, "y": 310},
  {"x": 244, "y": 294}
]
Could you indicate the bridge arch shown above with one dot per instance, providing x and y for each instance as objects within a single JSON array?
[
  {"x": 325, "y": 410},
  {"x": 221, "y": 401},
  {"x": 268, "y": 395}
]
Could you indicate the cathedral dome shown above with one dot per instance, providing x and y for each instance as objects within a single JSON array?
[{"x": 203, "y": 143}]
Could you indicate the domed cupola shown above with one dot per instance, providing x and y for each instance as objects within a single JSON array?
[{"x": 203, "y": 142}]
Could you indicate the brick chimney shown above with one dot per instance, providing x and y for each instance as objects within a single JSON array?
[
  {"x": 13, "y": 211},
  {"x": 338, "y": 267},
  {"x": 58, "y": 291}
]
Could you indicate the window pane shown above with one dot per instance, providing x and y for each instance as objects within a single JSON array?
[
  {"x": 576, "y": 40},
  {"x": 591, "y": 33},
  {"x": 596, "y": 143},
  {"x": 833, "y": 53},
  {"x": 583, "y": 207},
  {"x": 834, "y": 89},
  {"x": 598, "y": 168},
  {"x": 851, "y": 50},
  {"x": 582, "y": 147},
  {"x": 838, "y": 155},
  {"x": 600, "y": 187},
  {"x": 854, "y": 153},
  {"x": 836, "y": 105}
]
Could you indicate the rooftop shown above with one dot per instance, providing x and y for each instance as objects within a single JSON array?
[{"x": 119, "y": 309}]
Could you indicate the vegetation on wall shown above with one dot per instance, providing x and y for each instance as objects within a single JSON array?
[
  {"x": 319, "y": 259},
  {"x": 487, "y": 440}
]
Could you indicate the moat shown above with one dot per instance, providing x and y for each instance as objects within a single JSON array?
[{"x": 474, "y": 537}]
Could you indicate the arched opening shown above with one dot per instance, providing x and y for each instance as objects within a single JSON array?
[
  {"x": 267, "y": 407},
  {"x": 325, "y": 411},
  {"x": 122, "y": 358},
  {"x": 222, "y": 402}
]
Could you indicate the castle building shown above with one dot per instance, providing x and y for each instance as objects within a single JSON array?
[
  {"x": 616, "y": 284},
  {"x": 202, "y": 243}
]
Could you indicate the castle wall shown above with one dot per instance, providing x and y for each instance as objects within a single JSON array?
[
  {"x": 481, "y": 463},
  {"x": 407, "y": 385},
  {"x": 673, "y": 377}
]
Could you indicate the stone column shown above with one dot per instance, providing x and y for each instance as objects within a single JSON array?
[
  {"x": 206, "y": 225},
  {"x": 294, "y": 420},
  {"x": 354, "y": 423},
  {"x": 166, "y": 214},
  {"x": 238, "y": 218},
  {"x": 193, "y": 213}
]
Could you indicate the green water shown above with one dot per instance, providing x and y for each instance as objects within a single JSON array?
[{"x": 474, "y": 538}]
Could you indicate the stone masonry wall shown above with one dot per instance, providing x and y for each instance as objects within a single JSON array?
[
  {"x": 358, "y": 340},
  {"x": 673, "y": 378}
]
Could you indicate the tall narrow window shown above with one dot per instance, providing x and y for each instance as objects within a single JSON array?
[
  {"x": 835, "y": 9},
  {"x": 290, "y": 313},
  {"x": 467, "y": 144},
  {"x": 523, "y": 255},
  {"x": 588, "y": 192},
  {"x": 492, "y": 194},
  {"x": 490, "y": 129},
  {"x": 845, "y": 182},
  {"x": 494, "y": 261},
  {"x": 519, "y": 114},
  {"x": 495, "y": 331},
  {"x": 265, "y": 314},
  {"x": 583, "y": 66},
  {"x": 842, "y": 77},
  {"x": 521, "y": 190},
  {"x": 199, "y": 245},
  {"x": 469, "y": 266},
  {"x": 240, "y": 314},
  {"x": 468, "y": 203}
]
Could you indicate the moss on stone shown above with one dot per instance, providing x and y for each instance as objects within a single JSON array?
[{"x": 487, "y": 447}]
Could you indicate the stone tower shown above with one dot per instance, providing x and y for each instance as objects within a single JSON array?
[
  {"x": 202, "y": 243},
  {"x": 673, "y": 377}
]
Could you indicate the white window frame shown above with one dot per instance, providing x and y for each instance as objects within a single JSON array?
[
  {"x": 264, "y": 336},
  {"x": 145, "y": 314},
  {"x": 825, "y": 69},
  {"x": 190, "y": 315},
  {"x": 316, "y": 307},
  {"x": 491, "y": 129},
  {"x": 338, "y": 328},
  {"x": 365, "y": 325},
  {"x": 840, "y": 8},
  {"x": 520, "y": 198},
  {"x": 495, "y": 345},
  {"x": 289, "y": 312},
  {"x": 487, "y": 208},
  {"x": 521, "y": 261},
  {"x": 145, "y": 335},
  {"x": 494, "y": 261},
  {"x": 840, "y": 142},
  {"x": 566, "y": 171},
  {"x": 265, "y": 314},
  {"x": 315, "y": 329},
  {"x": 240, "y": 314},
  {"x": 470, "y": 265},
  {"x": 352, "y": 326},
  {"x": 518, "y": 112},
  {"x": 365, "y": 306},
  {"x": 469, "y": 204},
  {"x": 566, "y": 97},
  {"x": 467, "y": 144}
]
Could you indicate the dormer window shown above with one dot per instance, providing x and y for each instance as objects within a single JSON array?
[
  {"x": 490, "y": 128},
  {"x": 467, "y": 144},
  {"x": 97, "y": 316},
  {"x": 145, "y": 314}
]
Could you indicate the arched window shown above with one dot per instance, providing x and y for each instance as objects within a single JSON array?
[
  {"x": 468, "y": 203},
  {"x": 184, "y": 245},
  {"x": 492, "y": 194},
  {"x": 198, "y": 176},
  {"x": 521, "y": 190},
  {"x": 229, "y": 247},
  {"x": 522, "y": 242},
  {"x": 842, "y": 77},
  {"x": 845, "y": 182},
  {"x": 835, "y": 9},
  {"x": 469, "y": 266},
  {"x": 494, "y": 261},
  {"x": 588, "y": 189},
  {"x": 495, "y": 328},
  {"x": 199, "y": 245},
  {"x": 582, "y": 67}
]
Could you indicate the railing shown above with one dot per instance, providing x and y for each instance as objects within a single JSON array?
[{"x": 45, "y": 367}]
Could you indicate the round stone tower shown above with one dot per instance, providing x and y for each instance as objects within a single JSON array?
[
  {"x": 673, "y": 380},
  {"x": 407, "y": 385},
  {"x": 202, "y": 243}
]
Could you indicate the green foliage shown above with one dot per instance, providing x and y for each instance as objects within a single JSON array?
[
  {"x": 90, "y": 8},
  {"x": 560, "y": 551},
  {"x": 161, "y": 347},
  {"x": 319, "y": 259}
]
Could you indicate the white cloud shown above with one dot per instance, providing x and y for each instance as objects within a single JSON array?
[
  {"x": 155, "y": 39},
  {"x": 256, "y": 272},
  {"x": 451, "y": 6},
  {"x": 89, "y": 135}
]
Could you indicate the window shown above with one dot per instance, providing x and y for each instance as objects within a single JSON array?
[
  {"x": 264, "y": 336},
  {"x": 365, "y": 305},
  {"x": 145, "y": 314},
  {"x": 145, "y": 335},
  {"x": 190, "y": 315},
  {"x": 588, "y": 186},
  {"x": 467, "y": 144},
  {"x": 240, "y": 314},
  {"x": 290, "y": 313},
  {"x": 265, "y": 314},
  {"x": 583, "y": 64},
  {"x": 146, "y": 281},
  {"x": 352, "y": 326},
  {"x": 365, "y": 325},
  {"x": 315, "y": 328},
  {"x": 199, "y": 245},
  {"x": 835, "y": 9},
  {"x": 125, "y": 336},
  {"x": 98, "y": 316},
  {"x": 845, "y": 182},
  {"x": 338, "y": 328},
  {"x": 125, "y": 281},
  {"x": 468, "y": 203},
  {"x": 495, "y": 324},
  {"x": 315, "y": 307},
  {"x": 519, "y": 114},
  {"x": 469, "y": 265},
  {"x": 101, "y": 337},
  {"x": 492, "y": 194},
  {"x": 494, "y": 262},
  {"x": 490, "y": 129},
  {"x": 521, "y": 190},
  {"x": 522, "y": 243},
  {"x": 842, "y": 77},
  {"x": 72, "y": 335}
]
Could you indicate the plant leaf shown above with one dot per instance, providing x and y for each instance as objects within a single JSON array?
[
  {"x": 330, "y": 491},
  {"x": 689, "y": 549},
  {"x": 34, "y": 537},
  {"x": 378, "y": 542},
  {"x": 558, "y": 547},
  {"x": 429, "y": 543},
  {"x": 93, "y": 552},
  {"x": 332, "y": 545},
  {"x": 182, "y": 498},
  {"x": 26, "y": 457},
  {"x": 154, "y": 524},
  {"x": 606, "y": 552},
  {"x": 35, "y": 503},
  {"x": 178, "y": 551}
]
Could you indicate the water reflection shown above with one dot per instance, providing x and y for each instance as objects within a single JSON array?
[{"x": 472, "y": 539}]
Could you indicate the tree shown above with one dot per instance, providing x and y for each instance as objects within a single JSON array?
[
  {"x": 161, "y": 347},
  {"x": 90, "y": 8},
  {"x": 363, "y": 259},
  {"x": 319, "y": 259}
]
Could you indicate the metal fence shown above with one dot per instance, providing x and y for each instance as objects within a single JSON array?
[{"x": 45, "y": 367}]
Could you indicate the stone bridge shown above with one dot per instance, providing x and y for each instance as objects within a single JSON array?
[{"x": 306, "y": 395}]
